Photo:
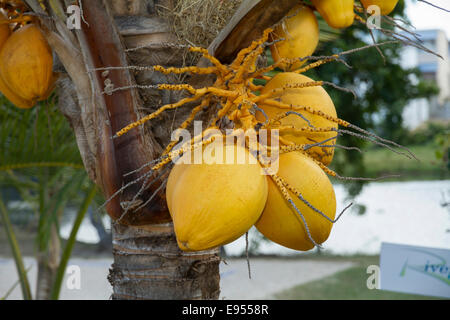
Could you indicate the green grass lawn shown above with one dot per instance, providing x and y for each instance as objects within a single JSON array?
[
  {"x": 349, "y": 284},
  {"x": 383, "y": 161}
]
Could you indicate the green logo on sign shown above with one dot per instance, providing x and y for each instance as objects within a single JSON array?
[{"x": 434, "y": 266}]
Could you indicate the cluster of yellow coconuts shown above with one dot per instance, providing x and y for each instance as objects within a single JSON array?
[
  {"x": 214, "y": 204},
  {"x": 300, "y": 30},
  {"x": 26, "y": 64}
]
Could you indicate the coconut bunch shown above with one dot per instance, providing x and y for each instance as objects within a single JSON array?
[
  {"x": 213, "y": 203},
  {"x": 26, "y": 60},
  {"x": 298, "y": 34},
  {"x": 294, "y": 206},
  {"x": 234, "y": 186}
]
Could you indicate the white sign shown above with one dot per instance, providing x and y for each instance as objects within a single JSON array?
[{"x": 413, "y": 269}]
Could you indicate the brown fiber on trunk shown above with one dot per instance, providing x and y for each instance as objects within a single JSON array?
[
  {"x": 119, "y": 156},
  {"x": 147, "y": 261}
]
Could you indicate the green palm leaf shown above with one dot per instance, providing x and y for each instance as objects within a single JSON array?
[
  {"x": 39, "y": 158},
  {"x": 39, "y": 135}
]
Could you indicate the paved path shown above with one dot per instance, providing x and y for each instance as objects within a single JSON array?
[{"x": 268, "y": 277}]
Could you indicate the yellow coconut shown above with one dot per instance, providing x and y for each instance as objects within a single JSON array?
[
  {"x": 26, "y": 64},
  {"x": 280, "y": 222},
  {"x": 337, "y": 13},
  {"x": 15, "y": 99},
  {"x": 316, "y": 98},
  {"x": 386, "y": 6},
  {"x": 301, "y": 37},
  {"x": 213, "y": 204}
]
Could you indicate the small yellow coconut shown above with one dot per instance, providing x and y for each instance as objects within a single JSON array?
[
  {"x": 316, "y": 98},
  {"x": 301, "y": 37},
  {"x": 386, "y": 6},
  {"x": 280, "y": 222},
  {"x": 5, "y": 33},
  {"x": 26, "y": 64},
  {"x": 337, "y": 13}
]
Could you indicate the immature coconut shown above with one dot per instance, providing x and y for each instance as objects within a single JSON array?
[
  {"x": 26, "y": 64},
  {"x": 280, "y": 222},
  {"x": 300, "y": 32},
  {"x": 18, "y": 101},
  {"x": 314, "y": 97},
  {"x": 337, "y": 13},
  {"x": 386, "y": 6}
]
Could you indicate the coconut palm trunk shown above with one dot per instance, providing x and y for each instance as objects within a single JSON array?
[
  {"x": 149, "y": 265},
  {"x": 147, "y": 261},
  {"x": 47, "y": 263}
]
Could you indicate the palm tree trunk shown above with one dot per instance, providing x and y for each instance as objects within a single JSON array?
[
  {"x": 47, "y": 263},
  {"x": 147, "y": 261},
  {"x": 149, "y": 265}
]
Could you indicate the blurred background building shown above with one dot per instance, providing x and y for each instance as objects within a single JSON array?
[{"x": 434, "y": 69}]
